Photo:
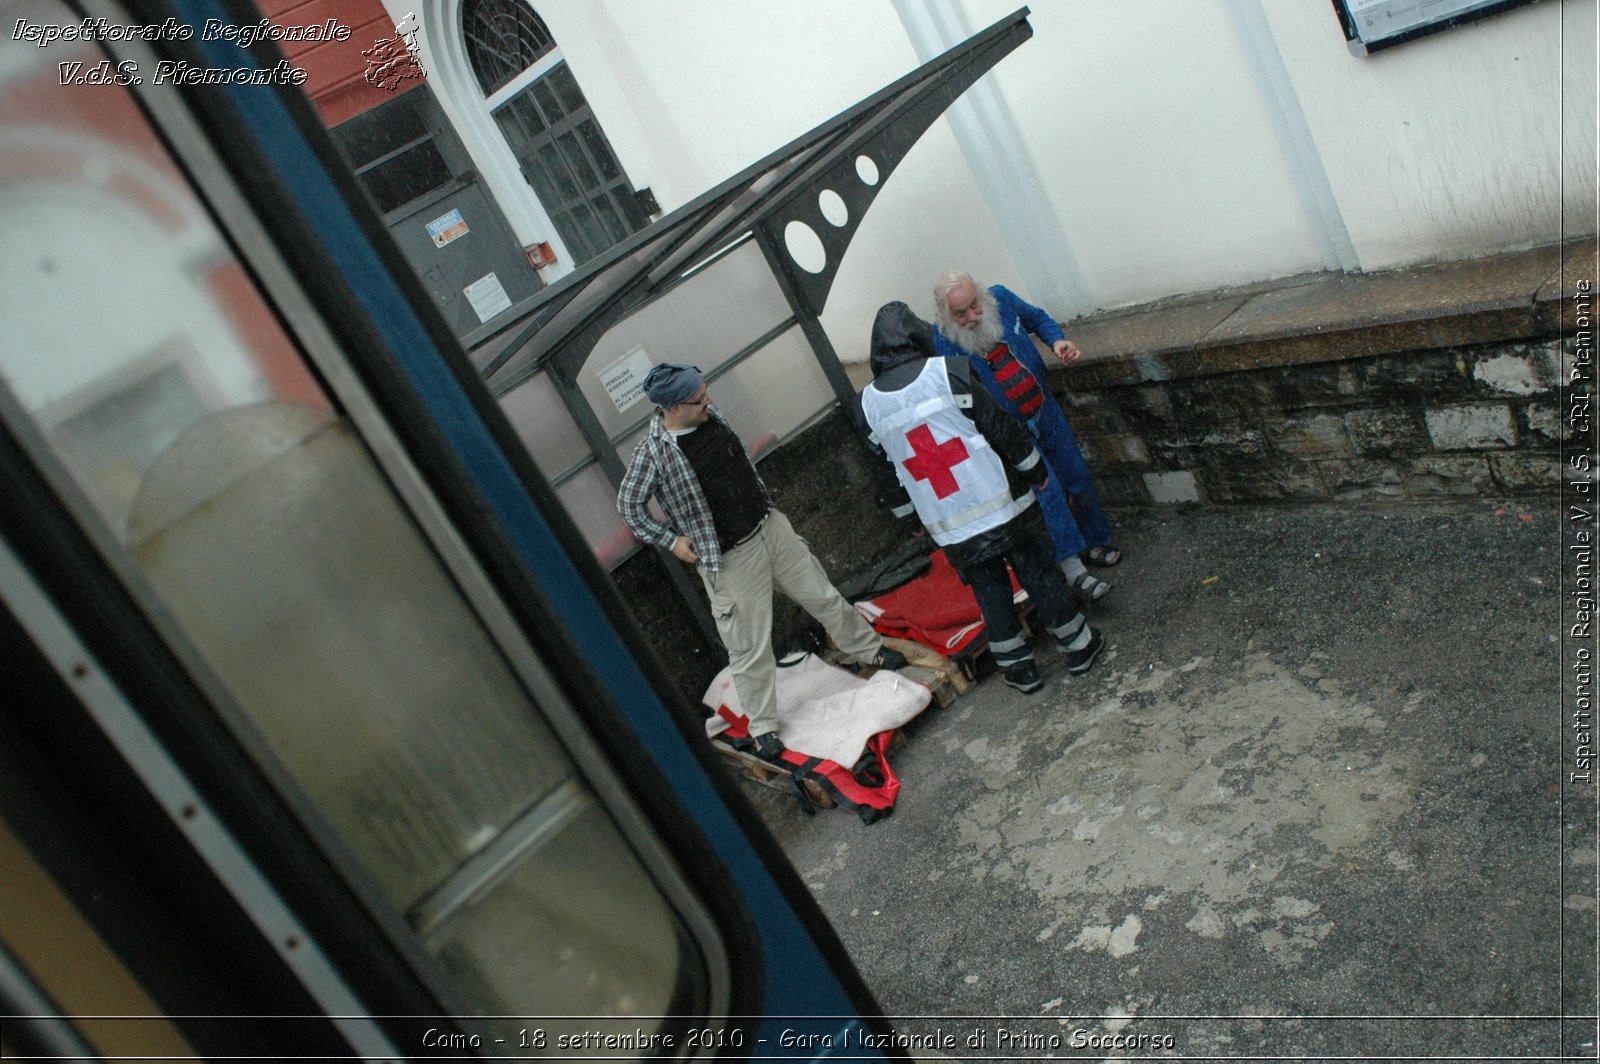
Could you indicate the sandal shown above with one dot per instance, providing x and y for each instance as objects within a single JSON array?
[
  {"x": 1088, "y": 588},
  {"x": 1104, "y": 556}
]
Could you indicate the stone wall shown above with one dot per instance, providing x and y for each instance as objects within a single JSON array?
[{"x": 1480, "y": 420}]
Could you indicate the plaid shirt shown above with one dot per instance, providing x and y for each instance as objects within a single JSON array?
[{"x": 659, "y": 468}]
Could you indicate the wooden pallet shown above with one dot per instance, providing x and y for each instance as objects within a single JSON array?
[
  {"x": 925, "y": 666},
  {"x": 774, "y": 776}
]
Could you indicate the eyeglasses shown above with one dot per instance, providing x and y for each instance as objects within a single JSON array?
[{"x": 704, "y": 400}]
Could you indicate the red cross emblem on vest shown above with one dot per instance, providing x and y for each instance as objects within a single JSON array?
[{"x": 933, "y": 461}]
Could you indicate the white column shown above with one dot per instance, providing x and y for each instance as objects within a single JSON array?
[
  {"x": 1005, "y": 172},
  {"x": 1294, "y": 135}
]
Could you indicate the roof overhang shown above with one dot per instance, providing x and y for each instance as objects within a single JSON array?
[{"x": 561, "y": 327}]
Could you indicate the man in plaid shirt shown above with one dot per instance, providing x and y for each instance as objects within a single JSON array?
[{"x": 721, "y": 520}]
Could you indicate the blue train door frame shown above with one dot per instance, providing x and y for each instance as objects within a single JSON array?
[{"x": 318, "y": 693}]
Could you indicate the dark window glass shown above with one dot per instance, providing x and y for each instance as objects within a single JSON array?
[
  {"x": 561, "y": 183},
  {"x": 532, "y": 120},
  {"x": 552, "y": 109},
  {"x": 541, "y": 182},
  {"x": 509, "y": 119},
  {"x": 610, "y": 216},
  {"x": 577, "y": 165},
  {"x": 595, "y": 146},
  {"x": 503, "y": 38},
  {"x": 410, "y": 174},
  {"x": 380, "y": 131},
  {"x": 566, "y": 87},
  {"x": 591, "y": 236}
]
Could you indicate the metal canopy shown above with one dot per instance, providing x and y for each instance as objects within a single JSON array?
[{"x": 564, "y": 324}]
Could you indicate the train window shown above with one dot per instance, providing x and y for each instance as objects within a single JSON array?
[{"x": 274, "y": 547}]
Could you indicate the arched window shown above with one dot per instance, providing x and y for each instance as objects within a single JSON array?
[
  {"x": 563, "y": 153},
  {"x": 504, "y": 38}
]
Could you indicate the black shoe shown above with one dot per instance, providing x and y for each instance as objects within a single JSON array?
[
  {"x": 767, "y": 746},
  {"x": 889, "y": 658},
  {"x": 1024, "y": 676},
  {"x": 1078, "y": 661}
]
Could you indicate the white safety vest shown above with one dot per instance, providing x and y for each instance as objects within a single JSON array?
[{"x": 955, "y": 479}]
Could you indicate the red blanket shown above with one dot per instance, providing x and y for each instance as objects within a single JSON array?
[{"x": 936, "y": 609}]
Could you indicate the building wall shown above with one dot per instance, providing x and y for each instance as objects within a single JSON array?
[
  {"x": 1155, "y": 147},
  {"x": 336, "y": 70},
  {"x": 1451, "y": 146},
  {"x": 1145, "y": 123},
  {"x": 1482, "y": 420}
]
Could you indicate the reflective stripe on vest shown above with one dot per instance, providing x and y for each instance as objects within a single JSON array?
[{"x": 956, "y": 481}]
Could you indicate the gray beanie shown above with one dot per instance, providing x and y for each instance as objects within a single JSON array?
[{"x": 670, "y": 383}]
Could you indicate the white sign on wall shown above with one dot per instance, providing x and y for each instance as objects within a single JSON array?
[
  {"x": 624, "y": 378},
  {"x": 487, "y": 296}
]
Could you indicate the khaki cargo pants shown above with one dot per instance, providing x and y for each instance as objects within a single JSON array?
[{"x": 776, "y": 559}]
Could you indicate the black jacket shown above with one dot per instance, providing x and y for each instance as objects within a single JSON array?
[{"x": 901, "y": 344}]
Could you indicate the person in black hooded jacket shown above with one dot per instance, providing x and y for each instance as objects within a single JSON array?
[{"x": 967, "y": 471}]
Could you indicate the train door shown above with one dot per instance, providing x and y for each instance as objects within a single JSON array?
[{"x": 323, "y": 732}]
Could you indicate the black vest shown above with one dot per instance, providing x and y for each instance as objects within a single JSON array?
[{"x": 727, "y": 479}]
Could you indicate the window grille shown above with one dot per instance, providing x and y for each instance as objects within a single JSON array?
[{"x": 504, "y": 38}]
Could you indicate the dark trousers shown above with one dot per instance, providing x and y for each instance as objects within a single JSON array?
[{"x": 1032, "y": 557}]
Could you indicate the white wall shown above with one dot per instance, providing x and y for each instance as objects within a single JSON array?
[
  {"x": 1153, "y": 143},
  {"x": 1146, "y": 128},
  {"x": 1449, "y": 146},
  {"x": 697, "y": 90}
]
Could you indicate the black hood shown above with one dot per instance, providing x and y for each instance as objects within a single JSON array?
[{"x": 898, "y": 336}]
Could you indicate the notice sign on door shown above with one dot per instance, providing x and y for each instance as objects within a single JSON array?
[
  {"x": 624, "y": 378},
  {"x": 487, "y": 296},
  {"x": 447, "y": 227}
]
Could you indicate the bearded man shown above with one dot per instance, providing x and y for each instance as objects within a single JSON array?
[
  {"x": 989, "y": 328},
  {"x": 969, "y": 473}
]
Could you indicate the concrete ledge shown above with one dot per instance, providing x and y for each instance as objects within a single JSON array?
[{"x": 1333, "y": 317}]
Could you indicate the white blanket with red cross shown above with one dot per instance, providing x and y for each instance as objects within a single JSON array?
[{"x": 823, "y": 710}]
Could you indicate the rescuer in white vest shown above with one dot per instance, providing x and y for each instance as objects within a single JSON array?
[{"x": 966, "y": 469}]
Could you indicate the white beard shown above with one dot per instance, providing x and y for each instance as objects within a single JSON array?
[{"x": 981, "y": 338}]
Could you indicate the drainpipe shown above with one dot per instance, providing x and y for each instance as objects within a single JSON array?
[
  {"x": 1011, "y": 188},
  {"x": 1293, "y": 131}
]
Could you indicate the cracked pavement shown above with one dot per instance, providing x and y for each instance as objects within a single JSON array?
[{"x": 1308, "y": 802}]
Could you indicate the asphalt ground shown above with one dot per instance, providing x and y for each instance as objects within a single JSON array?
[{"x": 1308, "y": 803}]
